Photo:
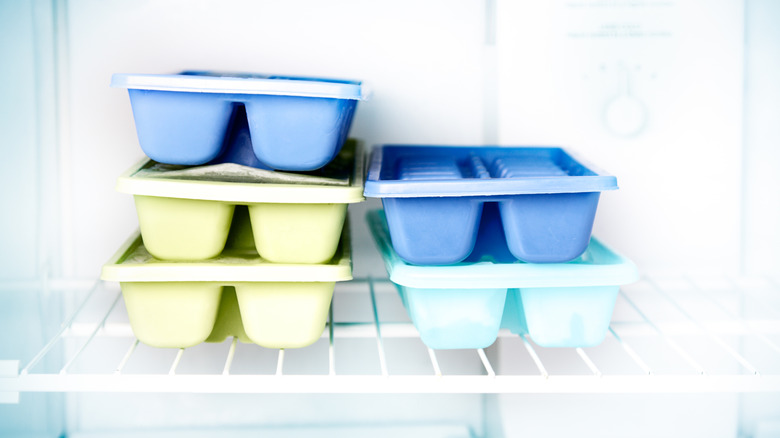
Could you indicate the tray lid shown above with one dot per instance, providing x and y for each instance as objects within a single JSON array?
[
  {"x": 133, "y": 263},
  {"x": 339, "y": 182},
  {"x": 435, "y": 171},
  {"x": 243, "y": 83}
]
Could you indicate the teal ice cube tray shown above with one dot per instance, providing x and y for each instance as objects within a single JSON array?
[{"x": 462, "y": 305}]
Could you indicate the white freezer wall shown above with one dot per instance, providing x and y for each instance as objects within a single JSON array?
[{"x": 651, "y": 91}]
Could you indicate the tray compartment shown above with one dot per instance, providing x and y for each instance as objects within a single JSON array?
[
  {"x": 565, "y": 316},
  {"x": 284, "y": 315},
  {"x": 548, "y": 228},
  {"x": 298, "y": 133},
  {"x": 297, "y": 233},
  {"x": 171, "y": 315},
  {"x": 180, "y": 128},
  {"x": 433, "y": 231},
  {"x": 455, "y": 318},
  {"x": 183, "y": 229}
]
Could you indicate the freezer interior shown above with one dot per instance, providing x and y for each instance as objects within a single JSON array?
[{"x": 678, "y": 100}]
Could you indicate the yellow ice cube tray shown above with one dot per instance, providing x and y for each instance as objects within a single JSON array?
[
  {"x": 174, "y": 304},
  {"x": 185, "y": 213}
]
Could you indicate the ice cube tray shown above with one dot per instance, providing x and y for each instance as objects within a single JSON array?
[
  {"x": 296, "y": 123},
  {"x": 434, "y": 196},
  {"x": 462, "y": 305},
  {"x": 181, "y": 304},
  {"x": 186, "y": 214}
]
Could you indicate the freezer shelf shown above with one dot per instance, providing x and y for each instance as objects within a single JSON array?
[{"x": 667, "y": 335}]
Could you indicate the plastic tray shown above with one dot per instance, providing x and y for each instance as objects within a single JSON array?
[
  {"x": 462, "y": 306},
  {"x": 187, "y": 214},
  {"x": 181, "y": 304},
  {"x": 434, "y": 197},
  {"x": 295, "y": 123}
]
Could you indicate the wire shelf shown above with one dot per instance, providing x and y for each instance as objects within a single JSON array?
[{"x": 667, "y": 335}]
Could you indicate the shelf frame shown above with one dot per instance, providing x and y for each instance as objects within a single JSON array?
[{"x": 491, "y": 379}]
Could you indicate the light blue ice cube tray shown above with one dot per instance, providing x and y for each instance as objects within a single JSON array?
[
  {"x": 434, "y": 196},
  {"x": 295, "y": 123},
  {"x": 462, "y": 305}
]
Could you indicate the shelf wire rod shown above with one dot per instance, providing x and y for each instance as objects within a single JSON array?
[
  {"x": 231, "y": 354},
  {"x": 745, "y": 324},
  {"x": 126, "y": 357},
  {"x": 379, "y": 342},
  {"x": 535, "y": 357},
  {"x": 675, "y": 346},
  {"x": 99, "y": 326},
  {"x": 632, "y": 353},
  {"x": 280, "y": 362},
  {"x": 734, "y": 353},
  {"x": 585, "y": 358},
  {"x": 434, "y": 362},
  {"x": 331, "y": 348},
  {"x": 486, "y": 362},
  {"x": 176, "y": 361},
  {"x": 65, "y": 326}
]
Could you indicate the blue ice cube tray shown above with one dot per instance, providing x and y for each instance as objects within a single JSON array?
[
  {"x": 295, "y": 123},
  {"x": 463, "y": 305},
  {"x": 434, "y": 198}
]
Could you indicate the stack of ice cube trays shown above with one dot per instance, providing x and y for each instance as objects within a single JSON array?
[
  {"x": 242, "y": 207},
  {"x": 480, "y": 238}
]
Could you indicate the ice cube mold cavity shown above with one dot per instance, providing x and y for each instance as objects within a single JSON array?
[
  {"x": 181, "y": 304},
  {"x": 189, "y": 218},
  {"x": 295, "y": 123},
  {"x": 464, "y": 305},
  {"x": 434, "y": 196}
]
